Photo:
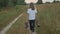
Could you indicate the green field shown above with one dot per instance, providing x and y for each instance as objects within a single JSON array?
[
  {"x": 49, "y": 19},
  {"x": 9, "y": 14},
  {"x": 49, "y": 16}
]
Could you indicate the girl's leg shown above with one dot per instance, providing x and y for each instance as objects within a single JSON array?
[{"x": 32, "y": 25}]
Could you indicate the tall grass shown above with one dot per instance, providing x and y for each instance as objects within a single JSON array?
[
  {"x": 49, "y": 19},
  {"x": 49, "y": 16},
  {"x": 6, "y": 16}
]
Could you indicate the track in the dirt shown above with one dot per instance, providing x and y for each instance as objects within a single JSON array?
[{"x": 9, "y": 25}]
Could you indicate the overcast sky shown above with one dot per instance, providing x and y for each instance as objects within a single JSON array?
[
  {"x": 47, "y": 1},
  {"x": 34, "y": 1}
]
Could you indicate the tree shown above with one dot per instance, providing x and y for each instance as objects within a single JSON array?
[
  {"x": 48, "y": 2},
  {"x": 56, "y": 1},
  {"x": 39, "y": 2},
  {"x": 10, "y": 3},
  {"x": 20, "y": 2},
  {"x": 5, "y": 3},
  {"x": 14, "y": 2}
]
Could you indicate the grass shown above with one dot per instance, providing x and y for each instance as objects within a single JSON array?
[
  {"x": 49, "y": 19},
  {"x": 7, "y": 15},
  {"x": 49, "y": 16},
  {"x": 19, "y": 26}
]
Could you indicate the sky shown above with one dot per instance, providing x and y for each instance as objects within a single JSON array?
[
  {"x": 29, "y": 1},
  {"x": 47, "y": 1},
  {"x": 35, "y": 1}
]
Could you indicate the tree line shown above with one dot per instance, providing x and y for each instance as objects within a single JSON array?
[{"x": 9, "y": 3}]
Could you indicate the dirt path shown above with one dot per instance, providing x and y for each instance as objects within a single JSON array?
[
  {"x": 9, "y": 25},
  {"x": 19, "y": 26}
]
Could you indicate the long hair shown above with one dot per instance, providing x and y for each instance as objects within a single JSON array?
[{"x": 32, "y": 6}]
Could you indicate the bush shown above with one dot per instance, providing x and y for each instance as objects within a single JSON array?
[{"x": 48, "y": 2}]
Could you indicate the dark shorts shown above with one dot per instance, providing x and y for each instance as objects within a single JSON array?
[{"x": 32, "y": 25}]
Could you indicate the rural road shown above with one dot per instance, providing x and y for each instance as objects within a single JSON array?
[{"x": 10, "y": 24}]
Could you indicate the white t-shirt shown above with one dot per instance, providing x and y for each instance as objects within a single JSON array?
[{"x": 32, "y": 14}]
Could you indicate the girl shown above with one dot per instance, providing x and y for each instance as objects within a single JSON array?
[{"x": 31, "y": 17}]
